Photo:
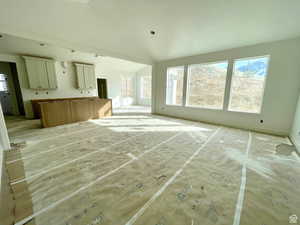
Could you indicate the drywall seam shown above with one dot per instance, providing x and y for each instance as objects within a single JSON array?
[
  {"x": 71, "y": 161},
  {"x": 239, "y": 205},
  {"x": 53, "y": 205},
  {"x": 170, "y": 181}
]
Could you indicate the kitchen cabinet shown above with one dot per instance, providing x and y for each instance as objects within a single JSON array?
[
  {"x": 85, "y": 76},
  {"x": 41, "y": 73}
]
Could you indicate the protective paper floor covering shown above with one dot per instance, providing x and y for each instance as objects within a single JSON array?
[{"x": 142, "y": 169}]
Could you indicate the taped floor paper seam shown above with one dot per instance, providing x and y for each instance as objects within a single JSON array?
[
  {"x": 71, "y": 161},
  {"x": 130, "y": 155},
  {"x": 52, "y": 149},
  {"x": 240, "y": 201},
  {"x": 62, "y": 135},
  {"x": 53, "y": 205},
  {"x": 170, "y": 181}
]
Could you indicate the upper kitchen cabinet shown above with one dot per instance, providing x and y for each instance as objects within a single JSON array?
[
  {"x": 85, "y": 76},
  {"x": 41, "y": 73}
]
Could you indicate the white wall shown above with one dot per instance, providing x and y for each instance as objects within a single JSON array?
[
  {"x": 114, "y": 84},
  {"x": 4, "y": 140},
  {"x": 281, "y": 91},
  {"x": 147, "y": 71},
  {"x": 295, "y": 133}
]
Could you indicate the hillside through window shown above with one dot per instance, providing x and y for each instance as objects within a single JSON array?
[
  {"x": 247, "y": 85},
  {"x": 206, "y": 85},
  {"x": 174, "y": 92}
]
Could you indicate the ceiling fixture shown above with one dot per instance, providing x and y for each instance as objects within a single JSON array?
[
  {"x": 152, "y": 32},
  {"x": 42, "y": 44},
  {"x": 1, "y": 36},
  {"x": 73, "y": 51}
]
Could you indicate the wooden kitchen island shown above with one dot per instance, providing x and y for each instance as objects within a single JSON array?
[{"x": 64, "y": 111}]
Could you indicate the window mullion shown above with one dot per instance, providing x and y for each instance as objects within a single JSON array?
[
  {"x": 185, "y": 80},
  {"x": 228, "y": 85}
]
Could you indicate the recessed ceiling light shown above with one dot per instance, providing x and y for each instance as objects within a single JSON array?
[
  {"x": 1, "y": 36},
  {"x": 152, "y": 32}
]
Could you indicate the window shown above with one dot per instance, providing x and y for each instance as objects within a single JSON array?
[
  {"x": 127, "y": 87},
  {"x": 206, "y": 85},
  {"x": 247, "y": 85},
  {"x": 174, "y": 92},
  {"x": 146, "y": 87},
  {"x": 3, "y": 83}
]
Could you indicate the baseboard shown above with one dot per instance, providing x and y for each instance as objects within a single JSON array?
[{"x": 293, "y": 140}]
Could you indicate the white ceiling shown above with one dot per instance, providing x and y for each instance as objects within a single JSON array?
[
  {"x": 121, "y": 28},
  {"x": 14, "y": 45}
]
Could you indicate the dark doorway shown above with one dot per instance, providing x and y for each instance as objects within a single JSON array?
[
  {"x": 102, "y": 88},
  {"x": 14, "y": 73},
  {"x": 10, "y": 91}
]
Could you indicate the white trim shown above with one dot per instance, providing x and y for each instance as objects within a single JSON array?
[
  {"x": 4, "y": 139},
  {"x": 170, "y": 181},
  {"x": 166, "y": 89},
  {"x": 264, "y": 85},
  {"x": 188, "y": 86},
  {"x": 239, "y": 204}
]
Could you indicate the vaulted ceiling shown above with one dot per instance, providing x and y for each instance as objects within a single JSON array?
[{"x": 121, "y": 28}]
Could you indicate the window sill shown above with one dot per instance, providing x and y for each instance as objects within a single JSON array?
[
  {"x": 199, "y": 107},
  {"x": 251, "y": 113}
]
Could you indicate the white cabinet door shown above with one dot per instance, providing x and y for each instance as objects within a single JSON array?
[
  {"x": 33, "y": 78},
  {"x": 42, "y": 73},
  {"x": 89, "y": 75},
  {"x": 80, "y": 76},
  {"x": 50, "y": 67}
]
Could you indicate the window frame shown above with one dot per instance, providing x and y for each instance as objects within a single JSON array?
[
  {"x": 126, "y": 89},
  {"x": 5, "y": 81},
  {"x": 183, "y": 87},
  {"x": 142, "y": 86},
  {"x": 264, "y": 84},
  {"x": 187, "y": 85}
]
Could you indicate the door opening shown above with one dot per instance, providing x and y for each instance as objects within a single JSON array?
[
  {"x": 102, "y": 87},
  {"x": 10, "y": 91},
  {"x": 5, "y": 95}
]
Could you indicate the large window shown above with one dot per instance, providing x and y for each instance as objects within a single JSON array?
[
  {"x": 247, "y": 85},
  {"x": 3, "y": 83},
  {"x": 174, "y": 95},
  {"x": 206, "y": 85},
  {"x": 127, "y": 87},
  {"x": 146, "y": 87}
]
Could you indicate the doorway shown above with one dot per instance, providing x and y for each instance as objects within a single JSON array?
[
  {"x": 5, "y": 95},
  {"x": 10, "y": 91},
  {"x": 102, "y": 87}
]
